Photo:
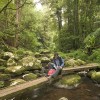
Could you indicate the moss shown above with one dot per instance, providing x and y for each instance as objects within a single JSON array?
[
  {"x": 16, "y": 82},
  {"x": 45, "y": 60},
  {"x": 4, "y": 77},
  {"x": 96, "y": 76},
  {"x": 91, "y": 72},
  {"x": 1, "y": 84},
  {"x": 15, "y": 70},
  {"x": 2, "y": 68},
  {"x": 44, "y": 51},
  {"x": 73, "y": 62},
  {"x": 8, "y": 55},
  {"x": 29, "y": 76},
  {"x": 70, "y": 80},
  {"x": 2, "y": 62},
  {"x": 11, "y": 62}
]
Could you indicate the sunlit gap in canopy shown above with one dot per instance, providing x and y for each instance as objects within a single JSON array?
[{"x": 38, "y": 6}]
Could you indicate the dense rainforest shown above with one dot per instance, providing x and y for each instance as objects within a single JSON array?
[{"x": 60, "y": 25}]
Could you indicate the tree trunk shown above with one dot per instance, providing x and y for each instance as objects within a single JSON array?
[
  {"x": 17, "y": 20},
  {"x": 76, "y": 24},
  {"x": 59, "y": 18}
]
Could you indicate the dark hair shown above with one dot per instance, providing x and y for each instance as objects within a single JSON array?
[{"x": 55, "y": 54}]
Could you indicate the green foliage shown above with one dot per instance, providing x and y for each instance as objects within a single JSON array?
[
  {"x": 89, "y": 41},
  {"x": 1, "y": 84},
  {"x": 78, "y": 54},
  {"x": 93, "y": 39},
  {"x": 95, "y": 57},
  {"x": 29, "y": 41}
]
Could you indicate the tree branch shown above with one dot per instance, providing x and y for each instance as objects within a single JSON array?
[
  {"x": 19, "y": 6},
  {"x": 5, "y": 6}
]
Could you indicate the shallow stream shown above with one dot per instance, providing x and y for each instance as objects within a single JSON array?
[{"x": 87, "y": 90}]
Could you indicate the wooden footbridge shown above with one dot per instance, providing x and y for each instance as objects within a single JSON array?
[{"x": 14, "y": 89}]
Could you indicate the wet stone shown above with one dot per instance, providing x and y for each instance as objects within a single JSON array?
[{"x": 63, "y": 98}]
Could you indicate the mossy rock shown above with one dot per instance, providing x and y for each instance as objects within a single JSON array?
[
  {"x": 2, "y": 68},
  {"x": 45, "y": 51},
  {"x": 51, "y": 56},
  {"x": 80, "y": 62},
  {"x": 15, "y": 70},
  {"x": 4, "y": 77},
  {"x": 8, "y": 55},
  {"x": 37, "y": 65},
  {"x": 29, "y": 76},
  {"x": 38, "y": 55},
  {"x": 73, "y": 62},
  {"x": 91, "y": 72},
  {"x": 96, "y": 76},
  {"x": 28, "y": 62},
  {"x": 70, "y": 62},
  {"x": 11, "y": 62},
  {"x": 1, "y": 84},
  {"x": 2, "y": 62},
  {"x": 16, "y": 82},
  {"x": 69, "y": 81},
  {"x": 45, "y": 60}
]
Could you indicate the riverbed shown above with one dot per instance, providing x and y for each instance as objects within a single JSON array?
[{"x": 87, "y": 90}]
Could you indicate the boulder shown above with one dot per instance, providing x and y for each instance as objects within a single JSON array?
[
  {"x": 63, "y": 98},
  {"x": 16, "y": 82},
  {"x": 69, "y": 81},
  {"x": 8, "y": 55},
  {"x": 28, "y": 62},
  {"x": 96, "y": 76},
  {"x": 15, "y": 70},
  {"x": 2, "y": 62},
  {"x": 1, "y": 84},
  {"x": 91, "y": 72},
  {"x": 45, "y": 60},
  {"x": 31, "y": 63},
  {"x": 37, "y": 64},
  {"x": 38, "y": 55},
  {"x": 11, "y": 62},
  {"x": 2, "y": 68},
  {"x": 29, "y": 76},
  {"x": 4, "y": 77},
  {"x": 70, "y": 62},
  {"x": 80, "y": 62},
  {"x": 45, "y": 51},
  {"x": 73, "y": 62}
]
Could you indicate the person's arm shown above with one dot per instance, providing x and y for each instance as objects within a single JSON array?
[{"x": 62, "y": 62}]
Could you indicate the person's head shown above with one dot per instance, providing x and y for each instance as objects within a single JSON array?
[{"x": 55, "y": 55}]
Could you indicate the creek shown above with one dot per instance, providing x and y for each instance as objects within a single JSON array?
[{"x": 86, "y": 90}]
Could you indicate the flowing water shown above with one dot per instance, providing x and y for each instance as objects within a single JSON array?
[{"x": 87, "y": 90}]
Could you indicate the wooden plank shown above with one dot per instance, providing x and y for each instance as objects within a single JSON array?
[
  {"x": 13, "y": 89},
  {"x": 82, "y": 67}
]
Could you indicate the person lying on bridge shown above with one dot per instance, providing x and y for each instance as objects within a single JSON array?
[{"x": 56, "y": 66}]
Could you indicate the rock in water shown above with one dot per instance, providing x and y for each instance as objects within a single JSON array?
[
  {"x": 96, "y": 76},
  {"x": 63, "y": 98},
  {"x": 69, "y": 81}
]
